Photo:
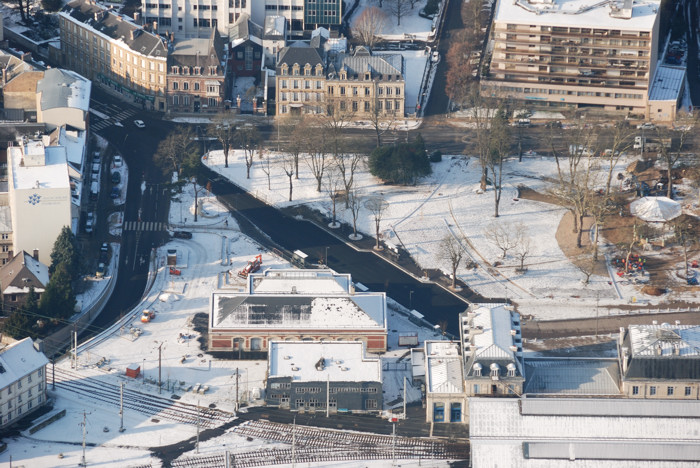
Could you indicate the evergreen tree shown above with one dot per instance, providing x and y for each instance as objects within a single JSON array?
[
  {"x": 58, "y": 301},
  {"x": 402, "y": 163},
  {"x": 65, "y": 251},
  {"x": 19, "y": 324}
]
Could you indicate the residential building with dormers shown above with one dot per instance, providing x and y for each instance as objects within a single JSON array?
[
  {"x": 114, "y": 52},
  {"x": 22, "y": 381},
  {"x": 361, "y": 84}
]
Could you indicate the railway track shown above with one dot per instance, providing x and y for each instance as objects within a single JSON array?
[{"x": 143, "y": 403}]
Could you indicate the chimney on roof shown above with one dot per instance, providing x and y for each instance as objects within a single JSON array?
[
  {"x": 131, "y": 34},
  {"x": 155, "y": 26},
  {"x": 137, "y": 17},
  {"x": 676, "y": 349},
  {"x": 35, "y": 254},
  {"x": 659, "y": 350},
  {"x": 625, "y": 358}
]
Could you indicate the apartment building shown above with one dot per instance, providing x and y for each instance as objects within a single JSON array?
[
  {"x": 112, "y": 51},
  {"x": 360, "y": 84},
  {"x": 22, "y": 381},
  {"x": 196, "y": 77},
  {"x": 574, "y": 53},
  {"x": 197, "y": 19}
]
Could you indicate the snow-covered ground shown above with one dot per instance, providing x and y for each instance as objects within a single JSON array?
[{"x": 412, "y": 25}]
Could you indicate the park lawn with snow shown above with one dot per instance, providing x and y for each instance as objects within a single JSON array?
[
  {"x": 448, "y": 202},
  {"x": 412, "y": 24}
]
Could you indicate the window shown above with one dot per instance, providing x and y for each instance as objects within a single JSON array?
[
  {"x": 380, "y": 90},
  {"x": 313, "y": 403},
  {"x": 366, "y": 91},
  {"x": 652, "y": 390},
  {"x": 342, "y": 90},
  {"x": 388, "y": 105},
  {"x": 354, "y": 106},
  {"x": 185, "y": 85},
  {"x": 175, "y": 85},
  {"x": 669, "y": 391},
  {"x": 398, "y": 91},
  {"x": 213, "y": 102},
  {"x": 687, "y": 391},
  {"x": 371, "y": 404},
  {"x": 438, "y": 412},
  {"x": 366, "y": 106},
  {"x": 635, "y": 390},
  {"x": 299, "y": 403},
  {"x": 476, "y": 389},
  {"x": 196, "y": 85},
  {"x": 176, "y": 101}
]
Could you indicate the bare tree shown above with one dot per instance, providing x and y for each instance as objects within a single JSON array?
[
  {"x": 576, "y": 174},
  {"x": 265, "y": 165},
  {"x": 503, "y": 235},
  {"x": 173, "y": 151},
  {"x": 248, "y": 138},
  {"x": 295, "y": 130},
  {"x": 381, "y": 121},
  {"x": 452, "y": 251},
  {"x": 377, "y": 206},
  {"x": 347, "y": 164},
  {"x": 483, "y": 112},
  {"x": 686, "y": 237},
  {"x": 288, "y": 168},
  {"x": 499, "y": 144},
  {"x": 332, "y": 186},
  {"x": 522, "y": 247},
  {"x": 399, "y": 8},
  {"x": 670, "y": 158},
  {"x": 369, "y": 25},
  {"x": 316, "y": 156},
  {"x": 355, "y": 203},
  {"x": 587, "y": 265},
  {"x": 223, "y": 128}
]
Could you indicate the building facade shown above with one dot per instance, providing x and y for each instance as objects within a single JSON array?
[
  {"x": 196, "y": 77},
  {"x": 361, "y": 84},
  {"x": 300, "y": 305},
  {"x": 112, "y": 51},
  {"x": 22, "y": 381},
  {"x": 445, "y": 398},
  {"x": 18, "y": 276},
  {"x": 320, "y": 376},
  {"x": 574, "y": 53},
  {"x": 660, "y": 361}
]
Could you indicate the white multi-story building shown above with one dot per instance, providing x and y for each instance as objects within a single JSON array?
[
  {"x": 22, "y": 380},
  {"x": 573, "y": 53},
  {"x": 39, "y": 196}
]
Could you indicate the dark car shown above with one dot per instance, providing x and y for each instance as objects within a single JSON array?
[
  {"x": 115, "y": 193},
  {"x": 182, "y": 235},
  {"x": 116, "y": 177}
]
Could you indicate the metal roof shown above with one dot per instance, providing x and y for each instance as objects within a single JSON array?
[
  {"x": 668, "y": 83},
  {"x": 572, "y": 376},
  {"x": 612, "y": 450},
  {"x": 618, "y": 407}
]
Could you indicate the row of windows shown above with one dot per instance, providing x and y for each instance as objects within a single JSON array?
[
  {"x": 281, "y": 385},
  {"x": 163, "y": 6},
  {"x": 236, "y": 3},
  {"x": 669, "y": 390},
  {"x": 204, "y": 22},
  {"x": 38, "y": 374},
  {"x": 30, "y": 405},
  {"x": 334, "y": 390},
  {"x": 307, "y": 390},
  {"x": 296, "y": 84},
  {"x": 185, "y": 101},
  {"x": 381, "y": 90},
  {"x": 284, "y": 7},
  {"x": 204, "y": 7}
]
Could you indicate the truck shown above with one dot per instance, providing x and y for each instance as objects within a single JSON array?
[
  {"x": 409, "y": 339},
  {"x": 252, "y": 266},
  {"x": 147, "y": 315},
  {"x": 651, "y": 144}
]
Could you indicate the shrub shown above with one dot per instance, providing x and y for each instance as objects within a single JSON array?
[
  {"x": 400, "y": 164},
  {"x": 431, "y": 7},
  {"x": 436, "y": 156}
]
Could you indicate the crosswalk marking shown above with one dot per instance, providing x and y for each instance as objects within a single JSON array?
[
  {"x": 144, "y": 226},
  {"x": 97, "y": 124}
]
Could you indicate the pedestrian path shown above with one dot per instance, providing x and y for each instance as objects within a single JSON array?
[
  {"x": 144, "y": 226},
  {"x": 97, "y": 124}
]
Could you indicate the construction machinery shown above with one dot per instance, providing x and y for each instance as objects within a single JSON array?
[
  {"x": 147, "y": 315},
  {"x": 253, "y": 265}
]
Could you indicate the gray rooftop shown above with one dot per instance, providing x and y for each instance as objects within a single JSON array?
[
  {"x": 667, "y": 84},
  {"x": 567, "y": 376},
  {"x": 662, "y": 352},
  {"x": 363, "y": 61},
  {"x": 301, "y": 54},
  {"x": 63, "y": 88},
  {"x": 116, "y": 26}
]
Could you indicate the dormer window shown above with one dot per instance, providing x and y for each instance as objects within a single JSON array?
[
  {"x": 295, "y": 70},
  {"x": 285, "y": 69},
  {"x": 307, "y": 70},
  {"x": 197, "y": 70},
  {"x": 186, "y": 70},
  {"x": 174, "y": 70},
  {"x": 212, "y": 70},
  {"x": 511, "y": 370},
  {"x": 368, "y": 76},
  {"x": 477, "y": 369},
  {"x": 495, "y": 368},
  {"x": 319, "y": 70}
]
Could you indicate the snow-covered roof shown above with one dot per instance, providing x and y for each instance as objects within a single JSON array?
[
  {"x": 320, "y": 361},
  {"x": 64, "y": 88},
  {"x": 74, "y": 143},
  {"x": 665, "y": 340},
  {"x": 21, "y": 273},
  {"x": 50, "y": 171},
  {"x": 287, "y": 281},
  {"x": 667, "y": 84},
  {"x": 572, "y": 376},
  {"x": 443, "y": 367},
  {"x": 496, "y": 339},
  {"x": 298, "y": 311},
  {"x": 19, "y": 359},
  {"x": 578, "y": 13}
]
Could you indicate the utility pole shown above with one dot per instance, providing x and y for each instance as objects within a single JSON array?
[
  {"x": 121, "y": 406},
  {"x": 159, "y": 363},
  {"x": 393, "y": 445},
  {"x": 294, "y": 443},
  {"x": 597, "y": 299},
  {"x": 404, "y": 397},
  {"x": 197, "y": 446},
  {"x": 75, "y": 348},
  {"x": 82, "y": 460},
  {"x": 328, "y": 393},
  {"x": 53, "y": 372},
  {"x": 237, "y": 388}
]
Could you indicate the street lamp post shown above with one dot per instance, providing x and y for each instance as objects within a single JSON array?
[
  {"x": 410, "y": 299},
  {"x": 326, "y": 261}
]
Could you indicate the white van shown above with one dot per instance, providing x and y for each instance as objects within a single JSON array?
[
  {"x": 94, "y": 190},
  {"x": 95, "y": 169}
]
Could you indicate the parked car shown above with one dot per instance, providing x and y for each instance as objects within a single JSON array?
[
  {"x": 553, "y": 124},
  {"x": 104, "y": 247},
  {"x": 646, "y": 126},
  {"x": 90, "y": 222},
  {"x": 96, "y": 158},
  {"x": 100, "y": 270},
  {"x": 182, "y": 235},
  {"x": 139, "y": 123},
  {"x": 116, "y": 177},
  {"x": 118, "y": 161},
  {"x": 115, "y": 193},
  {"x": 95, "y": 168}
]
